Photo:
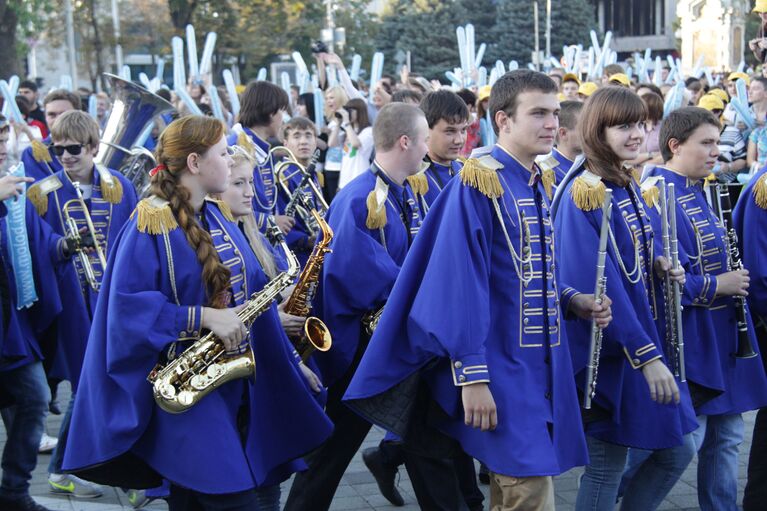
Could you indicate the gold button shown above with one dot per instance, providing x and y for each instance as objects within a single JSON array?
[
  {"x": 458, "y": 364},
  {"x": 462, "y": 378}
]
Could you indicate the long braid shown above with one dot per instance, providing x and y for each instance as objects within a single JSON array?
[{"x": 192, "y": 134}]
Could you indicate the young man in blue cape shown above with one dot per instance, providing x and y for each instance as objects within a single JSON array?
[
  {"x": 471, "y": 342},
  {"x": 750, "y": 218},
  {"x": 375, "y": 219},
  {"x": 110, "y": 199}
]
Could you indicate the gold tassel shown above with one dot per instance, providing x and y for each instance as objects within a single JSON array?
[
  {"x": 321, "y": 179},
  {"x": 588, "y": 192},
  {"x": 112, "y": 193},
  {"x": 376, "y": 215},
  {"x": 154, "y": 219},
  {"x": 40, "y": 152},
  {"x": 482, "y": 178},
  {"x": 223, "y": 207},
  {"x": 38, "y": 199},
  {"x": 760, "y": 192},
  {"x": 637, "y": 174},
  {"x": 244, "y": 141},
  {"x": 419, "y": 183},
  {"x": 547, "y": 178},
  {"x": 651, "y": 194}
]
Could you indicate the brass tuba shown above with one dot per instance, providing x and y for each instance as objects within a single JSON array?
[
  {"x": 133, "y": 111},
  {"x": 72, "y": 231}
]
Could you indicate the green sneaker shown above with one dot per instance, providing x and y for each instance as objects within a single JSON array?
[
  {"x": 138, "y": 498},
  {"x": 67, "y": 484}
]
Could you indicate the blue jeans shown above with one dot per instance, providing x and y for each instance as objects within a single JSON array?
[
  {"x": 29, "y": 390},
  {"x": 268, "y": 498},
  {"x": 57, "y": 458},
  {"x": 652, "y": 480},
  {"x": 717, "y": 440}
]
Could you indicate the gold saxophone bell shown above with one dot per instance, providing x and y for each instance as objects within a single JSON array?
[{"x": 72, "y": 232}]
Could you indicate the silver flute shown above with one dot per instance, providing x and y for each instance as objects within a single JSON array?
[{"x": 595, "y": 344}]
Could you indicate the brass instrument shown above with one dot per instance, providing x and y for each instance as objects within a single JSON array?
[
  {"x": 595, "y": 344},
  {"x": 672, "y": 291},
  {"x": 371, "y": 319},
  {"x": 72, "y": 231},
  {"x": 316, "y": 335},
  {"x": 734, "y": 263},
  {"x": 205, "y": 365},
  {"x": 130, "y": 120},
  {"x": 299, "y": 203}
]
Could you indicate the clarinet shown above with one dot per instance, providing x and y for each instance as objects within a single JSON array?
[
  {"x": 672, "y": 292},
  {"x": 595, "y": 344},
  {"x": 734, "y": 263}
]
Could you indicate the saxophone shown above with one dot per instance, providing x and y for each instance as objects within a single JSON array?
[
  {"x": 316, "y": 335},
  {"x": 205, "y": 366}
]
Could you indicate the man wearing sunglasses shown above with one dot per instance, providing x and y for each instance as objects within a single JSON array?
[
  {"x": 39, "y": 160},
  {"x": 109, "y": 198}
]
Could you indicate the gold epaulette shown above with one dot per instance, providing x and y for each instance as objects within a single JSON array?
[
  {"x": 376, "y": 203},
  {"x": 223, "y": 207},
  {"x": 38, "y": 193},
  {"x": 154, "y": 216},
  {"x": 650, "y": 191},
  {"x": 588, "y": 191},
  {"x": 547, "y": 164},
  {"x": 760, "y": 192},
  {"x": 244, "y": 141},
  {"x": 111, "y": 187},
  {"x": 419, "y": 183},
  {"x": 482, "y": 173},
  {"x": 636, "y": 174},
  {"x": 40, "y": 152},
  {"x": 320, "y": 178}
]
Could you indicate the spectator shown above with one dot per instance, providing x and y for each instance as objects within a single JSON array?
[
  {"x": 358, "y": 146},
  {"x": 28, "y": 89}
]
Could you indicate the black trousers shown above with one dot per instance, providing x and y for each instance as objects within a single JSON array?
[
  {"x": 755, "y": 494},
  {"x": 184, "y": 499}
]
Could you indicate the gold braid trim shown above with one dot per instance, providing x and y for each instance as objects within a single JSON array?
[
  {"x": 419, "y": 183},
  {"x": 477, "y": 174},
  {"x": 548, "y": 178},
  {"x": 588, "y": 191},
  {"x": 760, "y": 192},
  {"x": 223, "y": 207},
  {"x": 154, "y": 216},
  {"x": 40, "y": 152}
]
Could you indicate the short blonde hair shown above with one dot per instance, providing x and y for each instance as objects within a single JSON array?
[
  {"x": 341, "y": 99},
  {"x": 78, "y": 126},
  {"x": 241, "y": 155},
  {"x": 394, "y": 121}
]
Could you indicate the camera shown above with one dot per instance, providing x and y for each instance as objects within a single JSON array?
[{"x": 319, "y": 47}]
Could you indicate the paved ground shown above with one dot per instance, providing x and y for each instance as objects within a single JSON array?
[{"x": 358, "y": 491}]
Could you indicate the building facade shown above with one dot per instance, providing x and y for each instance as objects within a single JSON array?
[{"x": 714, "y": 30}]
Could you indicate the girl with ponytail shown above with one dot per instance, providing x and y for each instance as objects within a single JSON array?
[{"x": 181, "y": 267}]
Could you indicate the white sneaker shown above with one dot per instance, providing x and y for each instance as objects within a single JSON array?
[
  {"x": 67, "y": 484},
  {"x": 47, "y": 444}
]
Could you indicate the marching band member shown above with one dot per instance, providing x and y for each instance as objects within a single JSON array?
[
  {"x": 638, "y": 402},
  {"x": 568, "y": 146},
  {"x": 374, "y": 218},
  {"x": 722, "y": 386},
  {"x": 750, "y": 219},
  {"x": 299, "y": 135},
  {"x": 473, "y": 326},
  {"x": 182, "y": 266},
  {"x": 263, "y": 105},
  {"x": 39, "y": 160},
  {"x": 109, "y": 198}
]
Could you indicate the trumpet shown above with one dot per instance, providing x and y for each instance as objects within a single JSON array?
[
  {"x": 673, "y": 294},
  {"x": 72, "y": 232}
]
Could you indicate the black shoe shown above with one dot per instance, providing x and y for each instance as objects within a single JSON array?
[
  {"x": 484, "y": 474},
  {"x": 384, "y": 475},
  {"x": 23, "y": 503},
  {"x": 53, "y": 407}
]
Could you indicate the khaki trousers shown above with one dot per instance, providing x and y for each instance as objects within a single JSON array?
[{"x": 521, "y": 493}]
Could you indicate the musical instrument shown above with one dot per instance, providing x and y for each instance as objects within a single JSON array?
[
  {"x": 734, "y": 263},
  {"x": 128, "y": 126},
  {"x": 595, "y": 343},
  {"x": 72, "y": 232},
  {"x": 316, "y": 335},
  {"x": 300, "y": 203},
  {"x": 371, "y": 319},
  {"x": 672, "y": 291},
  {"x": 205, "y": 365}
]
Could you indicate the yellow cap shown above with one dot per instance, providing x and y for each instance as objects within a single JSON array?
[
  {"x": 239, "y": 89},
  {"x": 571, "y": 77},
  {"x": 761, "y": 6},
  {"x": 721, "y": 94},
  {"x": 621, "y": 79},
  {"x": 484, "y": 93},
  {"x": 711, "y": 102},
  {"x": 741, "y": 76},
  {"x": 587, "y": 88}
]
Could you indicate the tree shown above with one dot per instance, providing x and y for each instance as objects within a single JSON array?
[{"x": 18, "y": 21}]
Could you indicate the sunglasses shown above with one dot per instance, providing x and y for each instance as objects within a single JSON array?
[{"x": 73, "y": 149}]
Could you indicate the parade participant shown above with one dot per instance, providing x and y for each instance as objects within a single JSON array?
[
  {"x": 638, "y": 402},
  {"x": 722, "y": 385},
  {"x": 568, "y": 142},
  {"x": 181, "y": 248},
  {"x": 299, "y": 136},
  {"x": 39, "y": 160},
  {"x": 448, "y": 120},
  {"x": 374, "y": 218},
  {"x": 109, "y": 198},
  {"x": 261, "y": 114},
  {"x": 570, "y": 85},
  {"x": 450, "y": 355},
  {"x": 750, "y": 219}
]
